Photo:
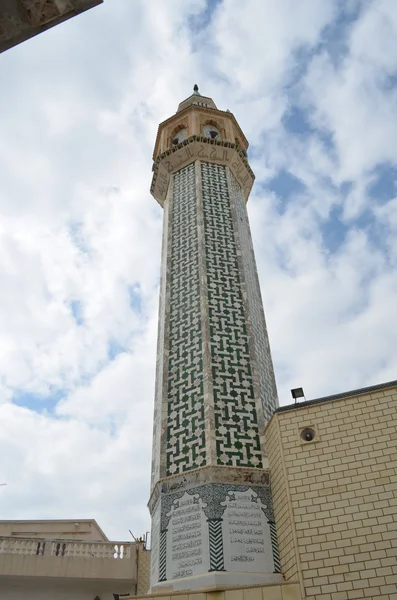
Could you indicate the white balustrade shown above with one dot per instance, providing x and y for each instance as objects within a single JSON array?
[
  {"x": 21, "y": 546},
  {"x": 64, "y": 548}
]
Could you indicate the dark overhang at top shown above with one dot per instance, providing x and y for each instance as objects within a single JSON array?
[
  {"x": 23, "y": 19},
  {"x": 360, "y": 392}
]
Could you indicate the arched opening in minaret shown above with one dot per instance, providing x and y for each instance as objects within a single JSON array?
[
  {"x": 213, "y": 130},
  {"x": 213, "y": 123},
  {"x": 179, "y": 134}
]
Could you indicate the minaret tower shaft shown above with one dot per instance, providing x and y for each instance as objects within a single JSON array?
[{"x": 212, "y": 520}]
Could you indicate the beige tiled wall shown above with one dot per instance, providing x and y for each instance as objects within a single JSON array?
[
  {"x": 335, "y": 498},
  {"x": 268, "y": 592},
  {"x": 281, "y": 505}
]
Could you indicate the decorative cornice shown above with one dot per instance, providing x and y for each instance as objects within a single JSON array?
[
  {"x": 205, "y": 475},
  {"x": 200, "y": 148}
]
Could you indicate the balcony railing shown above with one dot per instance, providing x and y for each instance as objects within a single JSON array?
[{"x": 60, "y": 548}]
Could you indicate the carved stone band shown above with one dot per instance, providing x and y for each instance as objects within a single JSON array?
[
  {"x": 203, "y": 149},
  {"x": 216, "y": 474}
]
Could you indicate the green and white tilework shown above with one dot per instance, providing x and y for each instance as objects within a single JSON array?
[
  {"x": 218, "y": 393},
  {"x": 236, "y": 420},
  {"x": 185, "y": 445},
  {"x": 215, "y": 390},
  {"x": 260, "y": 340}
]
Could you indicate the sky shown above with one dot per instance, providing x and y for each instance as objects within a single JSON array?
[{"x": 313, "y": 85}]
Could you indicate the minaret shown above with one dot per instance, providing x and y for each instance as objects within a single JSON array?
[{"x": 212, "y": 520}]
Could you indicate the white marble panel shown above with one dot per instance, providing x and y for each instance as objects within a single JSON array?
[
  {"x": 246, "y": 534},
  {"x": 187, "y": 538}
]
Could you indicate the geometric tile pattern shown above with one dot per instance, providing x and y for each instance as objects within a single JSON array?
[
  {"x": 160, "y": 374},
  {"x": 236, "y": 423},
  {"x": 212, "y": 344},
  {"x": 185, "y": 418},
  {"x": 267, "y": 382},
  {"x": 215, "y": 544}
]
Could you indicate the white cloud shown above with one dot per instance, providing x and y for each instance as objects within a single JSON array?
[
  {"x": 79, "y": 232},
  {"x": 354, "y": 100}
]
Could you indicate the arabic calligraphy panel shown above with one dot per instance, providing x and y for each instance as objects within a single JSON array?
[
  {"x": 246, "y": 534},
  {"x": 187, "y": 539}
]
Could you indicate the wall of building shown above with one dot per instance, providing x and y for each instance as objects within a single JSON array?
[
  {"x": 87, "y": 530},
  {"x": 81, "y": 567},
  {"x": 77, "y": 569},
  {"x": 58, "y": 591},
  {"x": 281, "y": 506},
  {"x": 335, "y": 497},
  {"x": 143, "y": 582},
  {"x": 286, "y": 591}
]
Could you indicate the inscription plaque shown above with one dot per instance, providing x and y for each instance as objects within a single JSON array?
[
  {"x": 246, "y": 534},
  {"x": 187, "y": 538}
]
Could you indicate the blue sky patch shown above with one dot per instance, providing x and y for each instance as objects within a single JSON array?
[
  {"x": 296, "y": 121},
  {"x": 134, "y": 293},
  {"x": 284, "y": 185},
  {"x": 37, "y": 402},
  {"x": 383, "y": 188},
  {"x": 200, "y": 21},
  {"x": 114, "y": 349},
  {"x": 336, "y": 35},
  {"x": 334, "y": 230},
  {"x": 76, "y": 308},
  {"x": 77, "y": 235}
]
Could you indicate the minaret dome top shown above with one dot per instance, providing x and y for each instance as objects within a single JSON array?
[{"x": 198, "y": 99}]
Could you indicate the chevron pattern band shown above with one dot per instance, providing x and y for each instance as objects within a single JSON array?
[
  {"x": 276, "y": 555},
  {"x": 216, "y": 545},
  {"x": 163, "y": 556}
]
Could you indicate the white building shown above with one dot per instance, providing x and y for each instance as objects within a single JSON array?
[{"x": 68, "y": 560}]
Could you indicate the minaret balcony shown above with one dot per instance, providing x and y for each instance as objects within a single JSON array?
[{"x": 206, "y": 150}]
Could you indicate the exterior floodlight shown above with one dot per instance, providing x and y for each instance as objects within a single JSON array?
[{"x": 297, "y": 393}]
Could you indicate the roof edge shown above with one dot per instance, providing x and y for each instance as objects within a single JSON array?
[
  {"x": 373, "y": 388},
  {"x": 53, "y": 521}
]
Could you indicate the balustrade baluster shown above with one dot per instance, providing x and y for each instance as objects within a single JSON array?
[{"x": 61, "y": 549}]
